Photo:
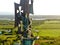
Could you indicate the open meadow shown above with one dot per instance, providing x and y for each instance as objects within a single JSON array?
[{"x": 47, "y": 30}]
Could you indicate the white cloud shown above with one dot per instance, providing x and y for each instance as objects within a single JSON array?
[
  {"x": 42, "y": 7},
  {"x": 7, "y": 5},
  {"x": 47, "y": 7}
]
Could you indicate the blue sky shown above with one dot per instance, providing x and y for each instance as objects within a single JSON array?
[{"x": 41, "y": 7}]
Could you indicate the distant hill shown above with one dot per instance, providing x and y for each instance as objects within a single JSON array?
[
  {"x": 44, "y": 17},
  {"x": 6, "y": 17},
  {"x": 34, "y": 17}
]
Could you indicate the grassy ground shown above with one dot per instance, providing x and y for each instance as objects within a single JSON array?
[{"x": 48, "y": 30}]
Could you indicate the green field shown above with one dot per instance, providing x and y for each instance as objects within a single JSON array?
[
  {"x": 47, "y": 30},
  {"x": 45, "y": 27}
]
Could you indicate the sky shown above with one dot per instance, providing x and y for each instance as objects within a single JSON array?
[{"x": 41, "y": 7}]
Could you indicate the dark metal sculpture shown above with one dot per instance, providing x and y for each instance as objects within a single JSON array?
[
  {"x": 23, "y": 16},
  {"x": 17, "y": 15},
  {"x": 22, "y": 12}
]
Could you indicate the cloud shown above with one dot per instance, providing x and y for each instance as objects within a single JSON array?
[{"x": 41, "y": 7}]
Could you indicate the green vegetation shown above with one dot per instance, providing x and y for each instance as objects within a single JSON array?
[
  {"x": 6, "y": 24},
  {"x": 48, "y": 30}
]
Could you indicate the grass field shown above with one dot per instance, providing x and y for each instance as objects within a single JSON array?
[{"x": 48, "y": 30}]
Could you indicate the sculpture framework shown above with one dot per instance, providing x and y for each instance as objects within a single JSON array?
[{"x": 22, "y": 20}]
